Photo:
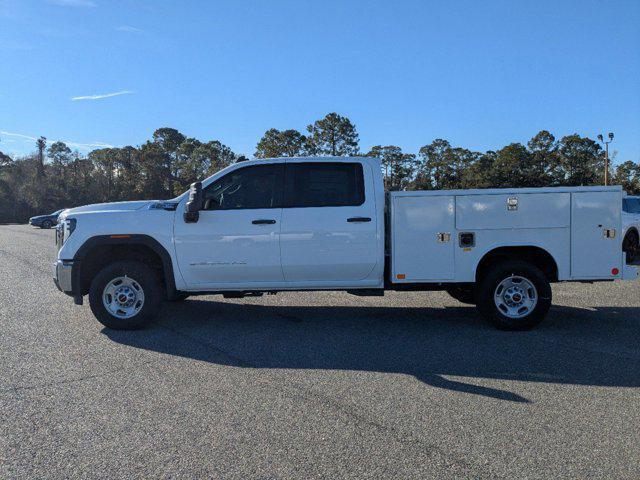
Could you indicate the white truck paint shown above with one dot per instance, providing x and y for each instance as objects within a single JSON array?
[
  {"x": 338, "y": 235},
  {"x": 568, "y": 223}
]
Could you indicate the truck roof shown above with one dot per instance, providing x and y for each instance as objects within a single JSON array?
[{"x": 312, "y": 159}]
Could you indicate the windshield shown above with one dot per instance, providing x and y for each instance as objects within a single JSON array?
[
  {"x": 631, "y": 204},
  {"x": 57, "y": 212}
]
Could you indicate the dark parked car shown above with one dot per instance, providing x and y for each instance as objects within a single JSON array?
[{"x": 45, "y": 221}]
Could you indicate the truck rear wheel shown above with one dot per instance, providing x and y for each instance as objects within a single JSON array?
[
  {"x": 125, "y": 295},
  {"x": 463, "y": 294},
  {"x": 514, "y": 295}
]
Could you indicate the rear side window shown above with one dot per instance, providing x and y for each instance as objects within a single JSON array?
[{"x": 324, "y": 185}]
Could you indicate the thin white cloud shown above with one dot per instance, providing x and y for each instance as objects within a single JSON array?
[
  {"x": 79, "y": 146},
  {"x": 86, "y": 146},
  {"x": 10, "y": 134},
  {"x": 72, "y": 3},
  {"x": 104, "y": 95},
  {"x": 129, "y": 29}
]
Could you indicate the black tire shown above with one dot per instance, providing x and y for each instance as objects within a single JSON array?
[
  {"x": 630, "y": 246},
  {"x": 488, "y": 286},
  {"x": 46, "y": 224},
  {"x": 144, "y": 276},
  {"x": 465, "y": 295}
]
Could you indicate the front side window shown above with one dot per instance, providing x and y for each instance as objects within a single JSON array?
[
  {"x": 254, "y": 187},
  {"x": 324, "y": 185}
]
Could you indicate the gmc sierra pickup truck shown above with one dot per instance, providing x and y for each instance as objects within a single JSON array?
[{"x": 265, "y": 226}]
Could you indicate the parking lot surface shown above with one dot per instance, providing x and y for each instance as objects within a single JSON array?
[{"x": 313, "y": 385}]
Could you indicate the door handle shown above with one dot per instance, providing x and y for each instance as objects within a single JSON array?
[
  {"x": 358, "y": 219},
  {"x": 263, "y": 222}
]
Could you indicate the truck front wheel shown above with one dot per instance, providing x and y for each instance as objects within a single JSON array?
[
  {"x": 514, "y": 295},
  {"x": 125, "y": 295}
]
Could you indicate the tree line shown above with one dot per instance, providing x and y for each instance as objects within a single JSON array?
[{"x": 56, "y": 177}]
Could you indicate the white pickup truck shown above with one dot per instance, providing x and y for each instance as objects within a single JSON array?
[{"x": 265, "y": 226}]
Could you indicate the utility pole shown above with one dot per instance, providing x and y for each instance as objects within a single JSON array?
[{"x": 606, "y": 155}]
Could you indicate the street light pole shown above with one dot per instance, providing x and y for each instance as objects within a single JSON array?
[{"x": 606, "y": 155}]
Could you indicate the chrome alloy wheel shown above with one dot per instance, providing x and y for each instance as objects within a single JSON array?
[
  {"x": 515, "y": 297},
  {"x": 123, "y": 297}
]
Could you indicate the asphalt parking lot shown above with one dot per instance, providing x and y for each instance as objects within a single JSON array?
[{"x": 317, "y": 385}]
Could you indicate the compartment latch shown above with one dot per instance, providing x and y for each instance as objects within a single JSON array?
[{"x": 443, "y": 237}]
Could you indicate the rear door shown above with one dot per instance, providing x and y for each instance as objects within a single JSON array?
[
  {"x": 595, "y": 219},
  {"x": 329, "y": 223}
]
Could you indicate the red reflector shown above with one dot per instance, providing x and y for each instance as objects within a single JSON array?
[{"x": 615, "y": 271}]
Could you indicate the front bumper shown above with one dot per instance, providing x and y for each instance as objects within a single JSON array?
[{"x": 63, "y": 276}]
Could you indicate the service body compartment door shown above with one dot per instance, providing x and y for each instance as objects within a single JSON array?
[
  {"x": 423, "y": 238},
  {"x": 527, "y": 210},
  {"x": 594, "y": 218}
]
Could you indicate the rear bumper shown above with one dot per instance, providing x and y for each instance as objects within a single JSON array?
[
  {"x": 63, "y": 276},
  {"x": 630, "y": 272}
]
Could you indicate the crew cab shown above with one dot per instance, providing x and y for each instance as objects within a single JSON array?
[{"x": 287, "y": 224}]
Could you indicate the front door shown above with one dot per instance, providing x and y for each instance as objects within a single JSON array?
[
  {"x": 236, "y": 241},
  {"x": 329, "y": 223}
]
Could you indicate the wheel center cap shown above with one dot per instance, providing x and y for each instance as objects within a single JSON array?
[
  {"x": 125, "y": 297},
  {"x": 513, "y": 296}
]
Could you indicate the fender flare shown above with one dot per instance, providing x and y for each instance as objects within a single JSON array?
[
  {"x": 494, "y": 247},
  {"x": 133, "y": 239}
]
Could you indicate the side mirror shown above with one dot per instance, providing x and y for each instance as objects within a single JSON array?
[{"x": 194, "y": 204}]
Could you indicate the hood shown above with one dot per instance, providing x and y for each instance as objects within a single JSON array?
[{"x": 109, "y": 207}]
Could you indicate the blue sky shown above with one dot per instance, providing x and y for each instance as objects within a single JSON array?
[{"x": 478, "y": 73}]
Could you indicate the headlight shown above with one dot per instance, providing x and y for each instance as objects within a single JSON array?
[{"x": 68, "y": 225}]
